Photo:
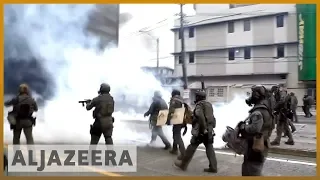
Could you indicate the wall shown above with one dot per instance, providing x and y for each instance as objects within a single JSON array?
[{"x": 216, "y": 63}]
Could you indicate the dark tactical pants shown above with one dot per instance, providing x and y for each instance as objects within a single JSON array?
[
  {"x": 26, "y": 126},
  {"x": 191, "y": 149},
  {"x": 97, "y": 130},
  {"x": 177, "y": 139},
  {"x": 306, "y": 110},
  {"x": 253, "y": 161},
  {"x": 295, "y": 116},
  {"x": 157, "y": 131},
  {"x": 283, "y": 126}
]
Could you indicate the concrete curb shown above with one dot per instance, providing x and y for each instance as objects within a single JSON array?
[
  {"x": 283, "y": 151},
  {"x": 293, "y": 152}
]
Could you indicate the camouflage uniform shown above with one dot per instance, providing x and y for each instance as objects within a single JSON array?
[
  {"x": 307, "y": 103},
  {"x": 283, "y": 122},
  {"x": 202, "y": 132},
  {"x": 23, "y": 122},
  {"x": 259, "y": 122},
  {"x": 176, "y": 102},
  {"x": 294, "y": 105},
  {"x": 157, "y": 105},
  {"x": 103, "y": 124}
]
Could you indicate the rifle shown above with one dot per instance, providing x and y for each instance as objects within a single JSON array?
[{"x": 86, "y": 101}]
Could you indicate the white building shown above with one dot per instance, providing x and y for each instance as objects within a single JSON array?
[{"x": 235, "y": 48}]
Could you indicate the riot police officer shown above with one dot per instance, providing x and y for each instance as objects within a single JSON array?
[
  {"x": 203, "y": 125},
  {"x": 258, "y": 126},
  {"x": 283, "y": 123},
  {"x": 104, "y": 107},
  {"x": 21, "y": 117}
]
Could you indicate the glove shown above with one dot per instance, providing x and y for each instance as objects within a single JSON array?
[
  {"x": 145, "y": 115},
  {"x": 113, "y": 119},
  {"x": 185, "y": 131}
]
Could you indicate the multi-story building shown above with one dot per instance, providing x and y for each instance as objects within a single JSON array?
[
  {"x": 165, "y": 74},
  {"x": 238, "y": 47},
  {"x": 104, "y": 22}
]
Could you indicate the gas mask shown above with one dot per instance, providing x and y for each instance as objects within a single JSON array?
[{"x": 253, "y": 99}]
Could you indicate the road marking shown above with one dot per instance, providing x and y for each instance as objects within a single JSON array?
[
  {"x": 292, "y": 161},
  {"x": 270, "y": 159},
  {"x": 91, "y": 168}
]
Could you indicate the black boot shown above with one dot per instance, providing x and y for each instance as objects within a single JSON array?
[
  {"x": 168, "y": 146},
  {"x": 174, "y": 151},
  {"x": 210, "y": 170},
  {"x": 289, "y": 143},
  {"x": 179, "y": 165}
]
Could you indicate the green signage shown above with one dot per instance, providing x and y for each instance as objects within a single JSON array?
[{"x": 306, "y": 21}]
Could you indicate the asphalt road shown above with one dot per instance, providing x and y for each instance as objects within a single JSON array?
[{"x": 158, "y": 162}]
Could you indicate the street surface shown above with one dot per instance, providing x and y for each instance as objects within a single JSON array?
[
  {"x": 158, "y": 162},
  {"x": 154, "y": 161}
]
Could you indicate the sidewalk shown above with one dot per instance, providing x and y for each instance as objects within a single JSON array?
[{"x": 305, "y": 142}]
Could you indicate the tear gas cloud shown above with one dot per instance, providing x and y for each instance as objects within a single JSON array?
[{"x": 72, "y": 69}]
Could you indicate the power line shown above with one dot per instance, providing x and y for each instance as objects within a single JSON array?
[{"x": 236, "y": 14}]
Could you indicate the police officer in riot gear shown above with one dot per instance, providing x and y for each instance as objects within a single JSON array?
[
  {"x": 104, "y": 107},
  {"x": 157, "y": 105},
  {"x": 258, "y": 125},
  {"x": 282, "y": 110},
  {"x": 203, "y": 125},
  {"x": 21, "y": 117},
  {"x": 176, "y": 102}
]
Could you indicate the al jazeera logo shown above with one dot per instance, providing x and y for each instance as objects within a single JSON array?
[{"x": 71, "y": 158}]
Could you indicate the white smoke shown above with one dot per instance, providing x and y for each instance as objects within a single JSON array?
[{"x": 55, "y": 34}]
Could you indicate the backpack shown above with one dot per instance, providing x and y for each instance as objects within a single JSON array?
[
  {"x": 24, "y": 109},
  {"x": 187, "y": 114}
]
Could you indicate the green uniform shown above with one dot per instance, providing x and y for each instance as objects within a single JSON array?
[
  {"x": 283, "y": 122},
  {"x": 26, "y": 122},
  {"x": 176, "y": 102},
  {"x": 258, "y": 122},
  {"x": 202, "y": 131},
  {"x": 103, "y": 124}
]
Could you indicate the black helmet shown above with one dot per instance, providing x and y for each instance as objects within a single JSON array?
[
  {"x": 259, "y": 91},
  {"x": 201, "y": 94},
  {"x": 104, "y": 88},
  {"x": 175, "y": 92}
]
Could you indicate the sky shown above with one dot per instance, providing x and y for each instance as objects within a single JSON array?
[{"x": 157, "y": 19}]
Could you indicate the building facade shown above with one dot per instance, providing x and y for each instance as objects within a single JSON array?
[
  {"x": 165, "y": 74},
  {"x": 238, "y": 47},
  {"x": 104, "y": 23}
]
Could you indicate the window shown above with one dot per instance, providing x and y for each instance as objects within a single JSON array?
[
  {"x": 191, "y": 57},
  {"x": 231, "y": 54},
  {"x": 220, "y": 92},
  {"x": 280, "y": 51},
  {"x": 280, "y": 20},
  {"x": 191, "y": 32},
  {"x": 180, "y": 59},
  {"x": 212, "y": 92},
  {"x": 247, "y": 53},
  {"x": 246, "y": 25},
  {"x": 179, "y": 34},
  {"x": 230, "y": 27}
]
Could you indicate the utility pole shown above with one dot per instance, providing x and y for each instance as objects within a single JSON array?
[
  {"x": 184, "y": 68},
  {"x": 157, "y": 40},
  {"x": 158, "y": 56}
]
